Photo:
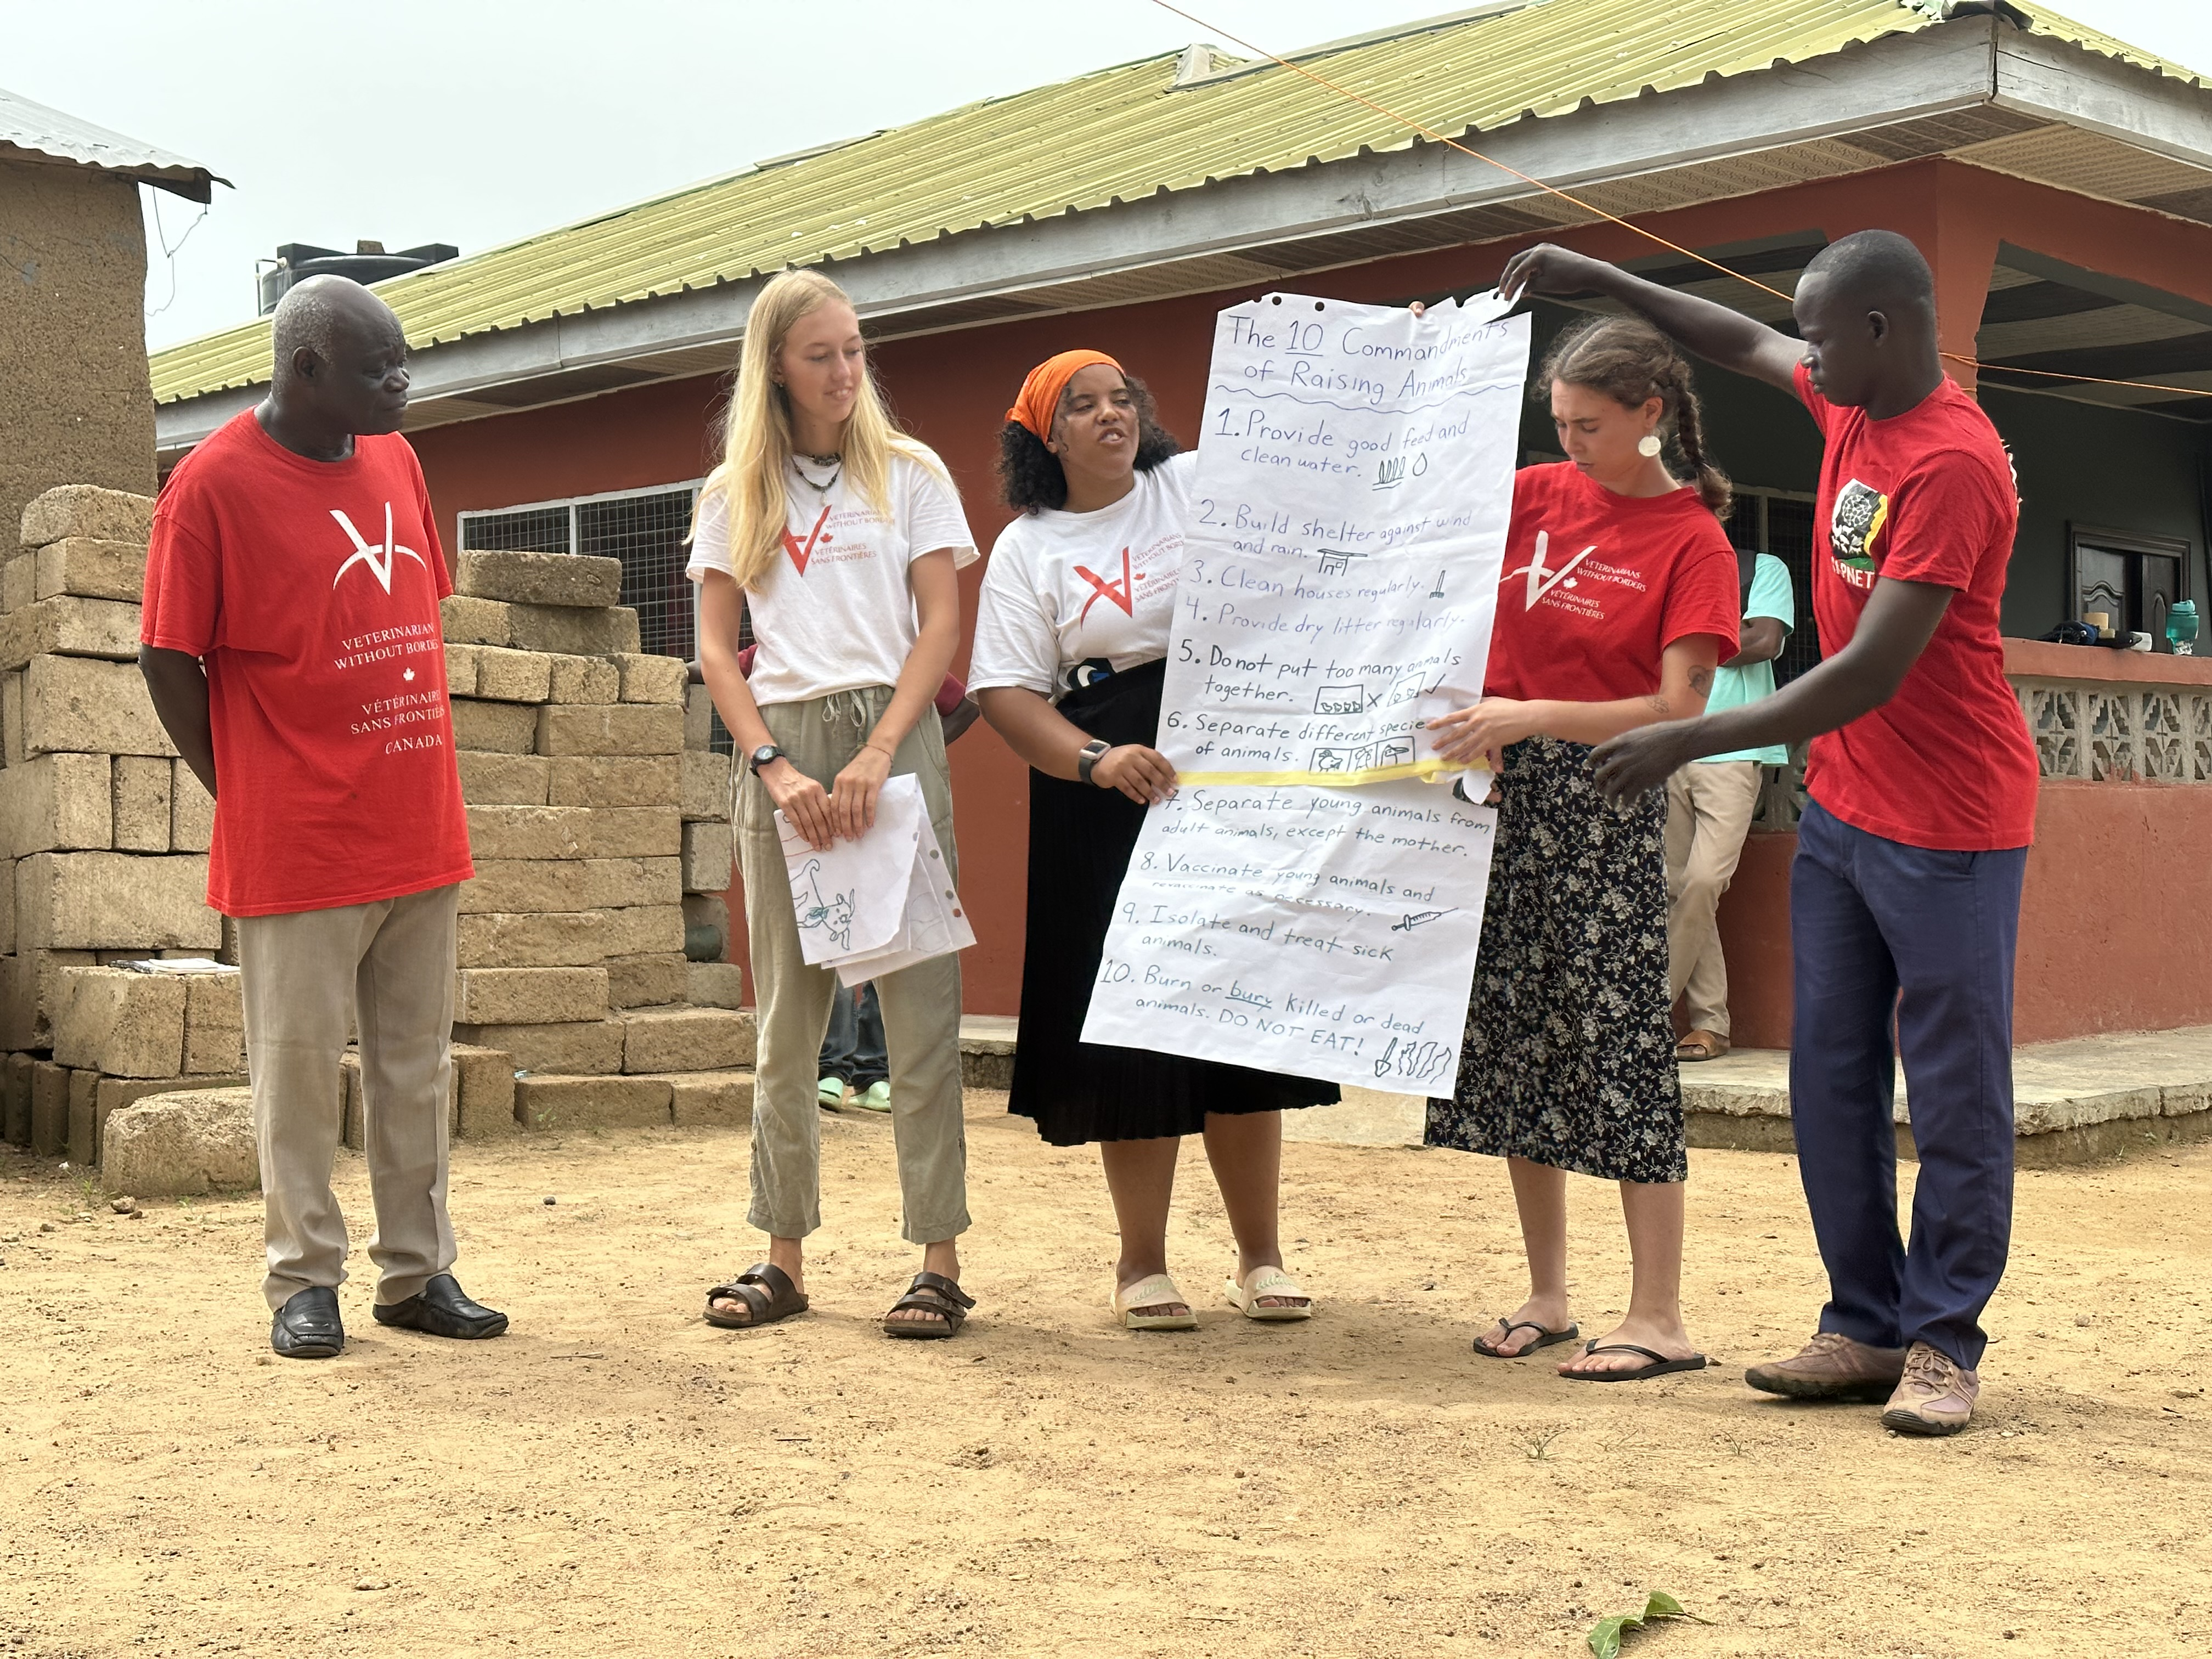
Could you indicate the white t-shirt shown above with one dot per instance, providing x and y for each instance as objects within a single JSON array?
[
  {"x": 1065, "y": 589},
  {"x": 836, "y": 611}
]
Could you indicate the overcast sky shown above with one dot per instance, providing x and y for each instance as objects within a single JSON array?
[{"x": 475, "y": 122}]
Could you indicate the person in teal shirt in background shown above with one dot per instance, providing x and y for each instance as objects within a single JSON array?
[{"x": 1709, "y": 807}]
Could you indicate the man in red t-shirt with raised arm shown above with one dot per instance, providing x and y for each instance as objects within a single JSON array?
[
  {"x": 292, "y": 646},
  {"x": 1905, "y": 896}
]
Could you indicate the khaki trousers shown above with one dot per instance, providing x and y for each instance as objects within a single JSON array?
[
  {"x": 1708, "y": 808},
  {"x": 391, "y": 963},
  {"x": 920, "y": 1005}
]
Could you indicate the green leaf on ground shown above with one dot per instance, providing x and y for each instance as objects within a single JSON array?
[{"x": 1605, "y": 1635}]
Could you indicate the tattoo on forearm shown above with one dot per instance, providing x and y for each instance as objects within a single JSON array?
[
  {"x": 1701, "y": 680},
  {"x": 1657, "y": 703}
]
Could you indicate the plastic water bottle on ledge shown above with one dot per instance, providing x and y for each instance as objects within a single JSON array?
[{"x": 2181, "y": 627}]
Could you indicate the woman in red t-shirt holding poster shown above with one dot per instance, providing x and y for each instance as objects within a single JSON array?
[{"x": 1619, "y": 597}]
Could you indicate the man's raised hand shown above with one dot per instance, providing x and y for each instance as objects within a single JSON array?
[{"x": 1549, "y": 269}]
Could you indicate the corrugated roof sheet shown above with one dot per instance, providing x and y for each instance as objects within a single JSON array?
[
  {"x": 30, "y": 125},
  {"x": 1112, "y": 135}
]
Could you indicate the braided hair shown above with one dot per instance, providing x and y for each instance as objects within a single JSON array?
[{"x": 1633, "y": 362}]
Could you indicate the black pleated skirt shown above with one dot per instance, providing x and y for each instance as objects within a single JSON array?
[{"x": 1080, "y": 838}]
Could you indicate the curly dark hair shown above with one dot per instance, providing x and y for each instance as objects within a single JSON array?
[{"x": 1029, "y": 477}]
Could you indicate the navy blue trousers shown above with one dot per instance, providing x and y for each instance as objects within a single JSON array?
[
  {"x": 1881, "y": 932},
  {"x": 854, "y": 1047}
]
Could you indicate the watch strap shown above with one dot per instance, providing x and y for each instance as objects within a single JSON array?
[{"x": 1091, "y": 755}]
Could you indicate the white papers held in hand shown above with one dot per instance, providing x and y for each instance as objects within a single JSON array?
[{"x": 886, "y": 901}]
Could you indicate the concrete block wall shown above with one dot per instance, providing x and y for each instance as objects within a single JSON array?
[
  {"x": 595, "y": 806},
  {"x": 708, "y": 858},
  {"x": 592, "y": 820},
  {"x": 103, "y": 832}
]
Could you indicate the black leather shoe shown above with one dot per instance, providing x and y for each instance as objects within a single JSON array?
[
  {"x": 307, "y": 1326},
  {"x": 443, "y": 1308}
]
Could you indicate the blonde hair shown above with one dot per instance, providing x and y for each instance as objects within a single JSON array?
[{"x": 753, "y": 477}]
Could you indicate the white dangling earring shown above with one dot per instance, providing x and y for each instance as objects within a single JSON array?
[{"x": 1648, "y": 444}]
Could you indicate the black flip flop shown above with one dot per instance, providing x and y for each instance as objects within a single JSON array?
[
  {"x": 1660, "y": 1365},
  {"x": 1544, "y": 1339},
  {"x": 779, "y": 1299}
]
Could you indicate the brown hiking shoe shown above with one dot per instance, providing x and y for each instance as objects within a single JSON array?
[
  {"x": 1937, "y": 1395},
  {"x": 1832, "y": 1367}
]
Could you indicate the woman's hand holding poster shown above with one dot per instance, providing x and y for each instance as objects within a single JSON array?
[{"x": 1311, "y": 900}]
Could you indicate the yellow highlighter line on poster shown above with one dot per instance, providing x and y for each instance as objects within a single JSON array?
[{"x": 1431, "y": 770}]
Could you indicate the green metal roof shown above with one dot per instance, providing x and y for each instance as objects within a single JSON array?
[{"x": 1112, "y": 135}]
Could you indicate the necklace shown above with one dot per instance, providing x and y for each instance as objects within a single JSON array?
[{"x": 821, "y": 489}]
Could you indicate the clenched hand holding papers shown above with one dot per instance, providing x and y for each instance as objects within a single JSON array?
[{"x": 886, "y": 901}]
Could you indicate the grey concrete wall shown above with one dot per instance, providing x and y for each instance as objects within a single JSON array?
[
  {"x": 2112, "y": 468},
  {"x": 76, "y": 404}
]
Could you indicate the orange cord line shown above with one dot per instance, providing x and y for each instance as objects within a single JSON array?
[{"x": 1411, "y": 126}]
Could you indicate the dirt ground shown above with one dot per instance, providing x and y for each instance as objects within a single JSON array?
[{"x": 614, "y": 1478}]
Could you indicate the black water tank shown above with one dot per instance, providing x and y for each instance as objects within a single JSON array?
[{"x": 367, "y": 263}]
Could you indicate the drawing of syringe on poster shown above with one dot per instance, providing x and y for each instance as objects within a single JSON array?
[{"x": 1311, "y": 900}]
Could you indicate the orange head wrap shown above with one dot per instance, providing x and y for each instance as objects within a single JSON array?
[{"x": 1041, "y": 393}]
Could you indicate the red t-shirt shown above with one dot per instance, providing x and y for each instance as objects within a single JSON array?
[
  {"x": 1597, "y": 585},
  {"x": 310, "y": 590},
  {"x": 1924, "y": 496}
]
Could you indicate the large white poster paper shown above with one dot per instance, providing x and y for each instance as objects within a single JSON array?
[
  {"x": 1353, "y": 489},
  {"x": 1354, "y": 483},
  {"x": 1321, "y": 932}
]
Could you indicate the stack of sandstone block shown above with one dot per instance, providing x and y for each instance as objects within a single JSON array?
[
  {"x": 709, "y": 850},
  {"x": 103, "y": 831},
  {"x": 589, "y": 816},
  {"x": 121, "y": 1035}
]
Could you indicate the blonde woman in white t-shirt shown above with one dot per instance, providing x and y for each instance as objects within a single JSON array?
[
  {"x": 1071, "y": 648},
  {"x": 842, "y": 536}
]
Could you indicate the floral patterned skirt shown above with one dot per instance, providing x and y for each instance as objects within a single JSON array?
[{"x": 1570, "y": 1053}]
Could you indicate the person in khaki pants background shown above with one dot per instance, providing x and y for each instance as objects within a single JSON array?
[
  {"x": 291, "y": 643},
  {"x": 1709, "y": 807}
]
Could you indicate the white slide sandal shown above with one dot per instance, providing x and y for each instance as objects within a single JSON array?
[
  {"x": 1266, "y": 1282},
  {"x": 1157, "y": 1291}
]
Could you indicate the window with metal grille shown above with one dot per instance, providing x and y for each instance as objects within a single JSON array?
[
  {"x": 1780, "y": 522},
  {"x": 643, "y": 528},
  {"x": 527, "y": 528},
  {"x": 646, "y": 529}
]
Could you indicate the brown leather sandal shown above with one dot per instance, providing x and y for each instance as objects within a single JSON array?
[
  {"x": 779, "y": 1299},
  {"x": 1701, "y": 1045},
  {"x": 935, "y": 1295}
]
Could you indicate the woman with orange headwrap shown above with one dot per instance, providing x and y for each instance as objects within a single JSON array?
[{"x": 1071, "y": 648}]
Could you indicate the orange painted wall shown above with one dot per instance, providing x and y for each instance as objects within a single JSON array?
[
  {"x": 953, "y": 390},
  {"x": 1754, "y": 925},
  {"x": 2111, "y": 935}
]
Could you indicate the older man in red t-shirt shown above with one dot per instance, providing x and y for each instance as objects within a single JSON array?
[
  {"x": 1904, "y": 897},
  {"x": 292, "y": 646}
]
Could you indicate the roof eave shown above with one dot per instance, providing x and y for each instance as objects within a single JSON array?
[
  {"x": 186, "y": 179},
  {"x": 2061, "y": 80},
  {"x": 1899, "y": 77}
]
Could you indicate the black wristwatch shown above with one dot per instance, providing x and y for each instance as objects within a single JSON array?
[
  {"x": 766, "y": 754},
  {"x": 1092, "y": 754}
]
